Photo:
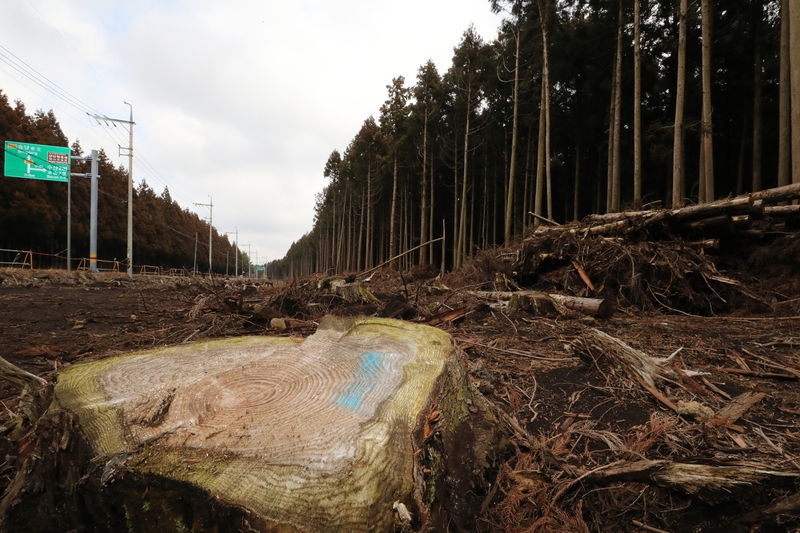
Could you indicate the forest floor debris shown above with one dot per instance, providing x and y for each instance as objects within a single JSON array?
[{"x": 680, "y": 412}]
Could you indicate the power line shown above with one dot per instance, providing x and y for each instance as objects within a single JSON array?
[
  {"x": 108, "y": 132},
  {"x": 41, "y": 80},
  {"x": 73, "y": 48}
]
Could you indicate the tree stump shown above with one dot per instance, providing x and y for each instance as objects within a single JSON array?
[{"x": 367, "y": 425}]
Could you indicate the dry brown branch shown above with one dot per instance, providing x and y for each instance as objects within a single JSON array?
[
  {"x": 736, "y": 408},
  {"x": 18, "y": 376},
  {"x": 757, "y": 374},
  {"x": 647, "y": 528},
  {"x": 639, "y": 367},
  {"x": 789, "y": 507}
]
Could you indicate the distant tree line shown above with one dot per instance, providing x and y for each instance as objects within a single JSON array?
[
  {"x": 33, "y": 213},
  {"x": 577, "y": 107}
]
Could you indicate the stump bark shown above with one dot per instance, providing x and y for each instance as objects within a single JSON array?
[{"x": 344, "y": 431}]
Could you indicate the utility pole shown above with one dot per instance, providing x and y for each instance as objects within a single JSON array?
[
  {"x": 194, "y": 268},
  {"x": 129, "y": 148},
  {"x": 210, "y": 206},
  {"x": 248, "y": 260},
  {"x": 236, "y": 261},
  {"x": 257, "y": 264}
]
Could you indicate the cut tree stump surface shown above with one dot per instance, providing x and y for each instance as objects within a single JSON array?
[{"x": 278, "y": 427}]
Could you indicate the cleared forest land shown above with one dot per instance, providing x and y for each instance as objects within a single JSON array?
[{"x": 679, "y": 412}]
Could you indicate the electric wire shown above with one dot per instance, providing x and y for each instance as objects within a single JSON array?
[
  {"x": 190, "y": 238},
  {"x": 41, "y": 80},
  {"x": 110, "y": 133},
  {"x": 73, "y": 49}
]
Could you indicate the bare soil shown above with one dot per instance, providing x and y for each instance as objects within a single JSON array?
[{"x": 564, "y": 416}]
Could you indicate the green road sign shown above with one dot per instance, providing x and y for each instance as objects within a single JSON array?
[{"x": 36, "y": 161}]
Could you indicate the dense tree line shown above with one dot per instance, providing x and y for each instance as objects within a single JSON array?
[
  {"x": 33, "y": 213},
  {"x": 577, "y": 107}
]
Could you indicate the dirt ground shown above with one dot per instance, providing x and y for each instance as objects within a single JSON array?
[{"x": 578, "y": 425}]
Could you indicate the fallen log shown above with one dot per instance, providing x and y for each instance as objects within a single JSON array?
[
  {"x": 358, "y": 428},
  {"x": 599, "y": 307},
  {"x": 716, "y": 226},
  {"x": 782, "y": 211},
  {"x": 705, "y": 244},
  {"x": 614, "y": 217},
  {"x": 710, "y": 483},
  {"x": 730, "y": 206},
  {"x": 778, "y": 194}
]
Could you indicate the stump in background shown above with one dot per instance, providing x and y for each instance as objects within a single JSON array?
[{"x": 341, "y": 432}]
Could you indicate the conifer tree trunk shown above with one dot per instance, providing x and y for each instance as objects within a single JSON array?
[
  {"x": 611, "y": 132},
  {"x": 485, "y": 204},
  {"x": 784, "y": 113},
  {"x": 340, "y": 251},
  {"x": 462, "y": 224},
  {"x": 540, "y": 162},
  {"x": 757, "y": 95},
  {"x": 349, "y": 249},
  {"x": 708, "y": 144},
  {"x": 637, "y": 107},
  {"x": 546, "y": 81},
  {"x": 680, "y": 95},
  {"x": 359, "y": 255},
  {"x": 527, "y": 203},
  {"x": 701, "y": 173},
  {"x": 430, "y": 220},
  {"x": 455, "y": 200},
  {"x": 471, "y": 225},
  {"x": 794, "y": 61},
  {"x": 615, "y": 187},
  {"x": 514, "y": 133},
  {"x": 423, "y": 226},
  {"x": 394, "y": 207},
  {"x": 576, "y": 185},
  {"x": 370, "y": 223}
]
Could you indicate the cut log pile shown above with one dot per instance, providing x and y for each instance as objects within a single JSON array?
[
  {"x": 714, "y": 219},
  {"x": 692, "y": 259}
]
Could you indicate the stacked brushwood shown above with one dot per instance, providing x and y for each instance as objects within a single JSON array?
[{"x": 662, "y": 258}]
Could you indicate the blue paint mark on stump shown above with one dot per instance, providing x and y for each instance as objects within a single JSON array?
[{"x": 362, "y": 382}]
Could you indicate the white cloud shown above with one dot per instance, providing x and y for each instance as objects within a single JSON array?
[{"x": 241, "y": 100}]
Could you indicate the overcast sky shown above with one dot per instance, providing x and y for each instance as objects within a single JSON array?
[{"x": 239, "y": 100}]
